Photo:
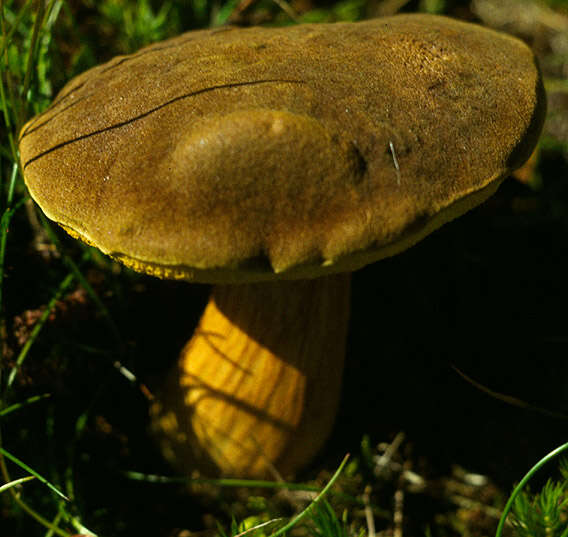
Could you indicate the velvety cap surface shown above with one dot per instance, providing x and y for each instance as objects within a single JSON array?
[{"x": 262, "y": 152}]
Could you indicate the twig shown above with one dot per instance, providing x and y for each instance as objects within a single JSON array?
[
  {"x": 287, "y": 8},
  {"x": 398, "y": 508},
  {"x": 370, "y": 519},
  {"x": 395, "y": 160},
  {"x": 384, "y": 460}
]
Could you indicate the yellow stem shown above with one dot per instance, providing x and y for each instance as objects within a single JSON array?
[{"x": 257, "y": 386}]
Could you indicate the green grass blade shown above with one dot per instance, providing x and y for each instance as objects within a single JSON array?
[
  {"x": 8, "y": 35},
  {"x": 523, "y": 482},
  {"x": 4, "y": 224},
  {"x": 298, "y": 518},
  {"x": 222, "y": 16},
  {"x": 72, "y": 266},
  {"x": 222, "y": 482},
  {"x": 23, "y": 404},
  {"x": 234, "y": 482},
  {"x": 63, "y": 286},
  {"x": 38, "y": 23},
  {"x": 15, "y": 482},
  {"x": 260, "y": 526},
  {"x": 25, "y": 467}
]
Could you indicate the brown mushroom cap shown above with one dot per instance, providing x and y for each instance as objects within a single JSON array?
[{"x": 246, "y": 154}]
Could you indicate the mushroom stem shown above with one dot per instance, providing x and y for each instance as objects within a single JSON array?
[{"x": 257, "y": 386}]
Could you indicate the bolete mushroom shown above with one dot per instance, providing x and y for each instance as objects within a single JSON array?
[{"x": 274, "y": 160}]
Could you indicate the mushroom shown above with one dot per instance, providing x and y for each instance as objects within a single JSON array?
[{"x": 273, "y": 162}]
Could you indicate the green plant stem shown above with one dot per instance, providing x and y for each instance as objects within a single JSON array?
[
  {"x": 25, "y": 467},
  {"x": 247, "y": 483},
  {"x": 4, "y": 224},
  {"x": 523, "y": 482},
  {"x": 72, "y": 266},
  {"x": 43, "y": 521},
  {"x": 298, "y": 518},
  {"x": 38, "y": 23},
  {"x": 63, "y": 286},
  {"x": 28, "y": 401},
  {"x": 8, "y": 35},
  {"x": 23, "y": 505},
  {"x": 222, "y": 482},
  {"x": 15, "y": 482}
]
